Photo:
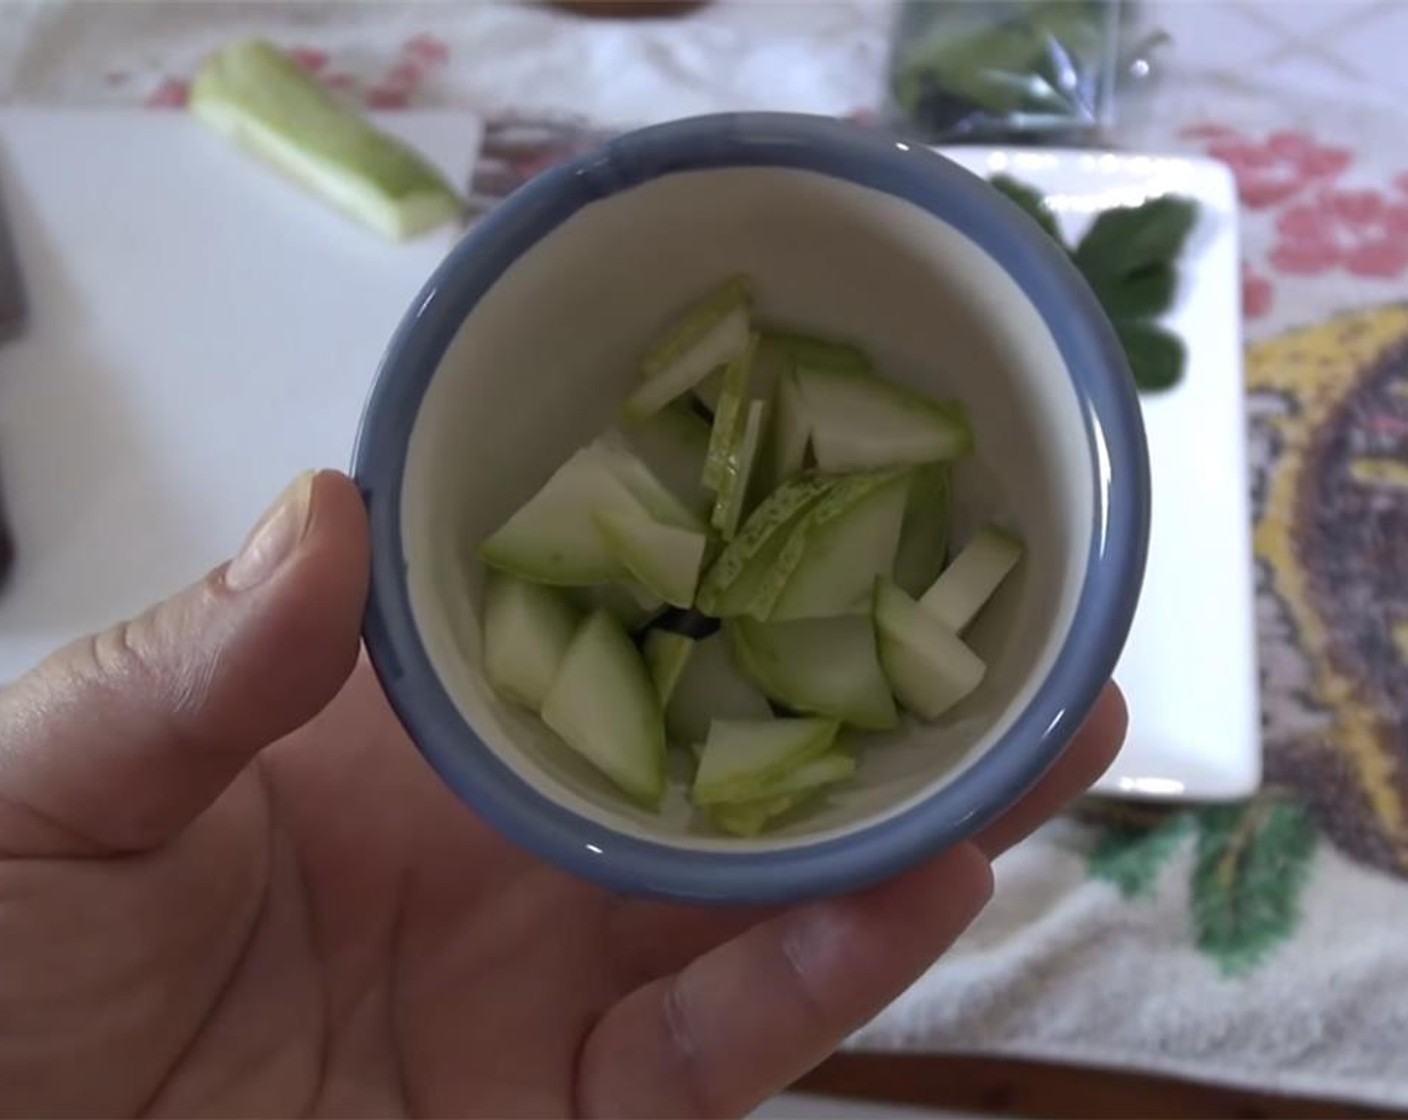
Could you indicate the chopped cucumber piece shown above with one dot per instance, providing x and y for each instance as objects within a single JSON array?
[
  {"x": 708, "y": 391},
  {"x": 811, "y": 352},
  {"x": 527, "y": 629},
  {"x": 666, "y": 655},
  {"x": 742, "y": 758},
  {"x": 729, "y": 585},
  {"x": 859, "y": 422},
  {"x": 829, "y": 563},
  {"x": 552, "y": 538},
  {"x": 711, "y": 334},
  {"x": 256, "y": 94},
  {"x": 966, "y": 584},
  {"x": 738, "y": 471},
  {"x": 628, "y": 602},
  {"x": 672, "y": 444},
  {"x": 750, "y": 818},
  {"x": 787, "y": 442},
  {"x": 604, "y": 705},
  {"x": 665, "y": 559},
  {"x": 927, "y": 664},
  {"x": 729, "y": 415},
  {"x": 822, "y": 666},
  {"x": 924, "y": 534},
  {"x": 711, "y": 687},
  {"x": 653, "y": 495}
]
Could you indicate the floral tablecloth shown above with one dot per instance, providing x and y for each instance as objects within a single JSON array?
[{"x": 1263, "y": 943}]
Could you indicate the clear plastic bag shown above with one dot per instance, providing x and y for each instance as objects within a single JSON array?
[{"x": 1012, "y": 70}]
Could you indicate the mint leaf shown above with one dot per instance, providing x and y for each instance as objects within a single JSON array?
[
  {"x": 1031, "y": 200},
  {"x": 1145, "y": 294},
  {"x": 1156, "y": 356},
  {"x": 1125, "y": 241}
]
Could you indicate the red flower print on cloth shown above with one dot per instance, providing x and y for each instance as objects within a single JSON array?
[
  {"x": 1257, "y": 293},
  {"x": 310, "y": 58},
  {"x": 171, "y": 93},
  {"x": 1274, "y": 170},
  {"x": 429, "y": 50},
  {"x": 1361, "y": 231}
]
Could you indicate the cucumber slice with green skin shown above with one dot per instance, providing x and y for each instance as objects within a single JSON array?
[
  {"x": 829, "y": 563},
  {"x": 812, "y": 352},
  {"x": 666, "y": 656},
  {"x": 552, "y": 538},
  {"x": 663, "y": 558},
  {"x": 672, "y": 444},
  {"x": 708, "y": 391},
  {"x": 629, "y": 603},
  {"x": 653, "y": 495},
  {"x": 748, "y": 819},
  {"x": 711, "y": 687},
  {"x": 729, "y": 415},
  {"x": 256, "y": 94},
  {"x": 711, "y": 334},
  {"x": 755, "y": 547},
  {"x": 738, "y": 471},
  {"x": 786, "y": 454},
  {"x": 859, "y": 422},
  {"x": 836, "y": 765},
  {"x": 527, "y": 629},
  {"x": 743, "y": 758},
  {"x": 965, "y": 585},
  {"x": 926, "y": 662},
  {"x": 604, "y": 706},
  {"x": 924, "y": 536},
  {"x": 822, "y": 666}
]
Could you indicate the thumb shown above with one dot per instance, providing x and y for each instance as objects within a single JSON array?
[{"x": 118, "y": 741}]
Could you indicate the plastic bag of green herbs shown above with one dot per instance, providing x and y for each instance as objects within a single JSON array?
[{"x": 1007, "y": 70}]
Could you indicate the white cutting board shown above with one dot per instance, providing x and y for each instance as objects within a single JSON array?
[{"x": 199, "y": 332}]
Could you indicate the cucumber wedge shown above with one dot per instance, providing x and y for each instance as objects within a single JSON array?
[
  {"x": 666, "y": 656},
  {"x": 711, "y": 687},
  {"x": 257, "y": 95},
  {"x": 664, "y": 559},
  {"x": 822, "y": 666},
  {"x": 738, "y": 471},
  {"x": 628, "y": 602},
  {"x": 553, "y": 538},
  {"x": 604, "y": 705},
  {"x": 859, "y": 422},
  {"x": 969, "y": 582},
  {"x": 527, "y": 629},
  {"x": 672, "y": 444},
  {"x": 829, "y": 563},
  {"x": 657, "y": 499},
  {"x": 729, "y": 585},
  {"x": 924, "y": 535},
  {"x": 811, "y": 352},
  {"x": 742, "y": 758},
  {"x": 708, "y": 391},
  {"x": 927, "y": 664},
  {"x": 729, "y": 414},
  {"x": 751, "y": 818},
  {"x": 711, "y": 334},
  {"x": 786, "y": 452}
]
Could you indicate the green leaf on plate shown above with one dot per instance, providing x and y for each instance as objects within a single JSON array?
[
  {"x": 1127, "y": 240},
  {"x": 1156, "y": 356},
  {"x": 1145, "y": 294},
  {"x": 1031, "y": 200},
  {"x": 1253, "y": 862}
]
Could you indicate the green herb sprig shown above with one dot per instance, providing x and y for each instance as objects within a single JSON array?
[{"x": 1129, "y": 256}]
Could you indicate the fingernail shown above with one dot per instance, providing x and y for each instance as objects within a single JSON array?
[{"x": 275, "y": 537}]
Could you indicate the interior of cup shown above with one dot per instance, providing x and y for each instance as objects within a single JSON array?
[{"x": 544, "y": 359}]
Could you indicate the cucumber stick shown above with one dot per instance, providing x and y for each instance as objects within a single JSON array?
[
  {"x": 738, "y": 471},
  {"x": 858, "y": 421},
  {"x": 527, "y": 629},
  {"x": 711, "y": 334},
  {"x": 729, "y": 414},
  {"x": 829, "y": 563},
  {"x": 260, "y": 97},
  {"x": 711, "y": 686},
  {"x": 969, "y": 582},
  {"x": 786, "y": 452},
  {"x": 821, "y": 666},
  {"x": 924, "y": 535},
  {"x": 927, "y": 663},
  {"x": 741, "y": 758},
  {"x": 604, "y": 706}
]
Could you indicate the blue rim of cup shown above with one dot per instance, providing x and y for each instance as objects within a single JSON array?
[{"x": 990, "y": 784}]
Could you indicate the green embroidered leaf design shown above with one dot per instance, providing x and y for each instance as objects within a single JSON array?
[
  {"x": 1131, "y": 856},
  {"x": 1032, "y": 201},
  {"x": 1252, "y": 864}
]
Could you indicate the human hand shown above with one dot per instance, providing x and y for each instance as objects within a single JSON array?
[{"x": 229, "y": 884}]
